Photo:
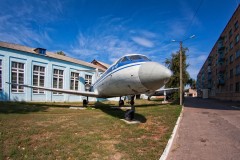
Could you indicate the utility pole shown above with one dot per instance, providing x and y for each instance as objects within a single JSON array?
[
  {"x": 181, "y": 68},
  {"x": 181, "y": 76}
]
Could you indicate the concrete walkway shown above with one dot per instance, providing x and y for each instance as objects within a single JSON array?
[{"x": 209, "y": 130}]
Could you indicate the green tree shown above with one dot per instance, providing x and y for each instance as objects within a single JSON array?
[
  {"x": 61, "y": 53},
  {"x": 192, "y": 83},
  {"x": 173, "y": 64}
]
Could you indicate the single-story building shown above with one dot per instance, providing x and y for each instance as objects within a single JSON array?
[{"x": 39, "y": 67}]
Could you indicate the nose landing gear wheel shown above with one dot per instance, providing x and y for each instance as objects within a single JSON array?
[{"x": 129, "y": 115}]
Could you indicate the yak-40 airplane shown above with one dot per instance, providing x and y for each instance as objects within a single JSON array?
[{"x": 130, "y": 75}]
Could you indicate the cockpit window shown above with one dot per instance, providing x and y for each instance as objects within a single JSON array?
[
  {"x": 135, "y": 57},
  {"x": 132, "y": 58},
  {"x": 145, "y": 58},
  {"x": 138, "y": 57},
  {"x": 124, "y": 59}
]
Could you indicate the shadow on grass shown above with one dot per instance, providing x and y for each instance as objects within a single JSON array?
[
  {"x": 157, "y": 99},
  {"x": 21, "y": 108},
  {"x": 148, "y": 105},
  {"x": 24, "y": 107},
  {"x": 118, "y": 113}
]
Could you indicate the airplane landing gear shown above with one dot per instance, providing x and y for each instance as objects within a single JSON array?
[
  {"x": 129, "y": 115},
  {"x": 121, "y": 102},
  {"x": 85, "y": 102}
]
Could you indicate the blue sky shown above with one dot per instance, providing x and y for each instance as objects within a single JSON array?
[{"x": 108, "y": 29}]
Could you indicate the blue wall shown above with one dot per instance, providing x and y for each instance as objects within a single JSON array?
[{"x": 29, "y": 59}]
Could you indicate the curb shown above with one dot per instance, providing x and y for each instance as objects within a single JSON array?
[{"x": 170, "y": 141}]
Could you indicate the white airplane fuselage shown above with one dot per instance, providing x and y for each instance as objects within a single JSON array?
[
  {"x": 131, "y": 78},
  {"x": 125, "y": 80}
]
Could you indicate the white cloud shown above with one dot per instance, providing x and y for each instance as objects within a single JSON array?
[
  {"x": 143, "y": 42},
  {"x": 195, "y": 59},
  {"x": 25, "y": 23},
  {"x": 109, "y": 40}
]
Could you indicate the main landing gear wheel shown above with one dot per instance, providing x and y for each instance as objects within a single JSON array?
[
  {"x": 129, "y": 115},
  {"x": 121, "y": 103},
  {"x": 85, "y": 102}
]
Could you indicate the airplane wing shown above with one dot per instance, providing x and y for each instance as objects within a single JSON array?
[{"x": 80, "y": 93}]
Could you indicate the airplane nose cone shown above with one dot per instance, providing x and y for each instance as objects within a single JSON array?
[{"x": 154, "y": 75}]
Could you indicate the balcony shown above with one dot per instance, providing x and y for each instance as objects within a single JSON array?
[
  {"x": 220, "y": 48},
  {"x": 221, "y": 59},
  {"x": 209, "y": 69},
  {"x": 220, "y": 44},
  {"x": 221, "y": 68},
  {"x": 209, "y": 85},
  {"x": 209, "y": 77},
  {"x": 209, "y": 61},
  {"x": 221, "y": 81}
]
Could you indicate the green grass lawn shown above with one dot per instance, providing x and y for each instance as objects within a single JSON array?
[{"x": 53, "y": 131}]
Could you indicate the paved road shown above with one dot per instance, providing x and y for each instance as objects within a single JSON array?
[{"x": 209, "y": 130}]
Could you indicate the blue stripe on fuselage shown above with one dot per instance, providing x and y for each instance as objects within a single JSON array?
[{"x": 116, "y": 68}]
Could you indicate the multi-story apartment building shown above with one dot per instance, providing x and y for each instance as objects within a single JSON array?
[{"x": 220, "y": 74}]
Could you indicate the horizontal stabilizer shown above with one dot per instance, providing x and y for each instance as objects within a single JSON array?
[{"x": 162, "y": 91}]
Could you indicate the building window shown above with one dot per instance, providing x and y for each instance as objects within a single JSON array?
[
  {"x": 226, "y": 49},
  {"x": 38, "y": 78},
  {"x": 230, "y": 33},
  {"x": 231, "y": 59},
  {"x": 237, "y": 88},
  {"x": 17, "y": 76},
  {"x": 88, "y": 79},
  {"x": 238, "y": 53},
  {"x": 237, "y": 39},
  {"x": 0, "y": 75},
  {"x": 231, "y": 45},
  {"x": 236, "y": 25},
  {"x": 231, "y": 73},
  {"x": 57, "y": 79},
  {"x": 238, "y": 70},
  {"x": 231, "y": 87},
  {"x": 74, "y": 81}
]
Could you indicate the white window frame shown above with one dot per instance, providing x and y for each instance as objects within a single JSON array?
[
  {"x": 39, "y": 73},
  {"x": 58, "y": 75},
  {"x": 17, "y": 70},
  {"x": 1, "y": 77},
  {"x": 74, "y": 81},
  {"x": 88, "y": 80}
]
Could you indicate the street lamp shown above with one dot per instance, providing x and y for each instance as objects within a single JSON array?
[{"x": 180, "y": 66}]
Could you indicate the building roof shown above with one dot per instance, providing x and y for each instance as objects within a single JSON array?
[
  {"x": 48, "y": 54},
  {"x": 100, "y": 64}
]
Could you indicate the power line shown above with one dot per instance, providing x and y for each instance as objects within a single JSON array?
[
  {"x": 191, "y": 21},
  {"x": 237, "y": 2}
]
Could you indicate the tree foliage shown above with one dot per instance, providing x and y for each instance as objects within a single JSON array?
[
  {"x": 174, "y": 65},
  {"x": 61, "y": 53},
  {"x": 192, "y": 83}
]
